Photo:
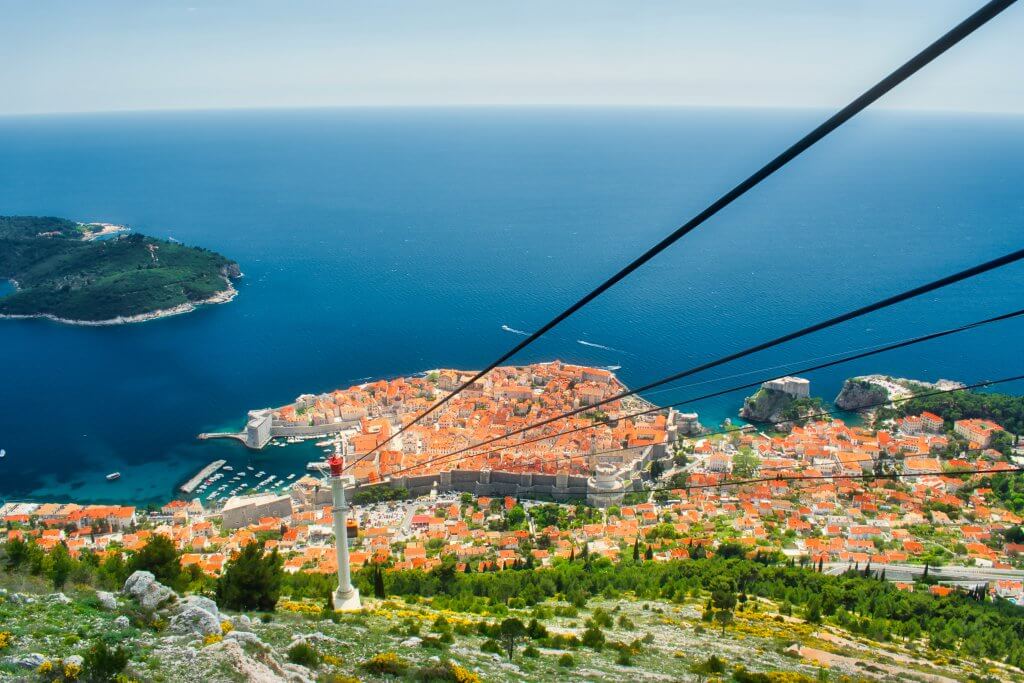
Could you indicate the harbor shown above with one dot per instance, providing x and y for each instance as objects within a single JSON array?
[{"x": 190, "y": 485}]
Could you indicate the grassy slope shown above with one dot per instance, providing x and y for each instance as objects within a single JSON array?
[
  {"x": 69, "y": 278},
  {"x": 757, "y": 640}
]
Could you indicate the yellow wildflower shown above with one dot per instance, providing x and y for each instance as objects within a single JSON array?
[{"x": 72, "y": 670}]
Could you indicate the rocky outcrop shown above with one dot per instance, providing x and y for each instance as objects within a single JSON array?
[
  {"x": 196, "y": 615},
  {"x": 779, "y": 409},
  {"x": 859, "y": 393},
  {"x": 194, "y": 621},
  {"x": 231, "y": 270},
  {"x": 150, "y": 593},
  {"x": 107, "y": 600},
  {"x": 766, "y": 405}
]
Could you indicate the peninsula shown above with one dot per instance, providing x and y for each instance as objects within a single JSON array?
[{"x": 102, "y": 274}]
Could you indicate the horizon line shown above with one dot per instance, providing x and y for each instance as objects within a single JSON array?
[{"x": 492, "y": 105}]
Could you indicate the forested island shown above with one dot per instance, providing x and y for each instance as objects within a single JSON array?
[{"x": 62, "y": 272}]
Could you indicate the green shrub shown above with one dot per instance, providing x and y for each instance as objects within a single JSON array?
[
  {"x": 491, "y": 645},
  {"x": 531, "y": 651},
  {"x": 304, "y": 654},
  {"x": 102, "y": 663},
  {"x": 593, "y": 638},
  {"x": 566, "y": 661}
]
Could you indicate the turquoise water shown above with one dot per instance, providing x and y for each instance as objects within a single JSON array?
[{"x": 383, "y": 242}]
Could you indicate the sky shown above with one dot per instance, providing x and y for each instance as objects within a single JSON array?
[{"x": 110, "y": 55}]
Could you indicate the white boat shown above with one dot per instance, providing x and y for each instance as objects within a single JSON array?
[
  {"x": 113, "y": 475},
  {"x": 228, "y": 468},
  {"x": 3, "y": 453},
  {"x": 249, "y": 467}
]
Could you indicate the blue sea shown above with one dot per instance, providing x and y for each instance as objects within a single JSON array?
[{"x": 384, "y": 242}]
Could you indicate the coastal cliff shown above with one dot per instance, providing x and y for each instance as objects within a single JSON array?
[
  {"x": 778, "y": 408},
  {"x": 859, "y": 393}
]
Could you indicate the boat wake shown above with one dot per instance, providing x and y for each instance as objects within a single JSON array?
[
  {"x": 612, "y": 368},
  {"x": 599, "y": 346},
  {"x": 515, "y": 331}
]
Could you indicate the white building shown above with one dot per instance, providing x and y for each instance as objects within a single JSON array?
[{"x": 797, "y": 387}]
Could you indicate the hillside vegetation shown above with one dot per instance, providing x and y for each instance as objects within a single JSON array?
[
  {"x": 583, "y": 620},
  {"x": 1004, "y": 409},
  {"x": 60, "y": 274}
]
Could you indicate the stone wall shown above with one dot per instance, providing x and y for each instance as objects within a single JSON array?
[{"x": 494, "y": 484}]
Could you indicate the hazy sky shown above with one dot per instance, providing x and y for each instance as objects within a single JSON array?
[{"x": 96, "y": 55}]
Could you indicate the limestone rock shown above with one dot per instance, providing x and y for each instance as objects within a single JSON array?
[
  {"x": 858, "y": 393},
  {"x": 30, "y": 661},
  {"x": 193, "y": 620},
  {"x": 77, "y": 660},
  {"x": 122, "y": 622},
  {"x": 412, "y": 642},
  {"x": 247, "y": 668},
  {"x": 203, "y": 603},
  {"x": 107, "y": 600},
  {"x": 242, "y": 622},
  {"x": 149, "y": 592},
  {"x": 299, "y": 674},
  {"x": 244, "y": 637},
  {"x": 58, "y": 599}
]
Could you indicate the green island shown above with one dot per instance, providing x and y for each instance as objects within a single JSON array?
[{"x": 102, "y": 274}]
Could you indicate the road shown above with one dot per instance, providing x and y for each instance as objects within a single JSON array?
[{"x": 948, "y": 573}]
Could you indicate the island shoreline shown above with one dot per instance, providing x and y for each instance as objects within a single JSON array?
[{"x": 222, "y": 297}]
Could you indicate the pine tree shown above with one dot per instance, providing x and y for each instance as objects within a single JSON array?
[{"x": 252, "y": 580}]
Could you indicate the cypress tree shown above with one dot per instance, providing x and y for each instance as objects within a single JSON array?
[{"x": 636, "y": 549}]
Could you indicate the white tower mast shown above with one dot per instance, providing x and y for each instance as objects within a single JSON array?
[{"x": 346, "y": 598}]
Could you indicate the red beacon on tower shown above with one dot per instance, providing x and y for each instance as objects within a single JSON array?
[{"x": 337, "y": 464}]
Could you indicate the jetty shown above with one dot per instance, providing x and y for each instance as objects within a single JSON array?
[
  {"x": 190, "y": 485},
  {"x": 238, "y": 436}
]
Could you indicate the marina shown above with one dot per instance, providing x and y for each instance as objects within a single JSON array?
[{"x": 190, "y": 485}]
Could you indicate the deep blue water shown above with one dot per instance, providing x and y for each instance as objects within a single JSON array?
[{"x": 377, "y": 243}]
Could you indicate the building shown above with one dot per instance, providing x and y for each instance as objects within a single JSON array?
[
  {"x": 605, "y": 488},
  {"x": 688, "y": 423},
  {"x": 257, "y": 429},
  {"x": 241, "y": 511},
  {"x": 797, "y": 387},
  {"x": 925, "y": 423},
  {"x": 977, "y": 431}
]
